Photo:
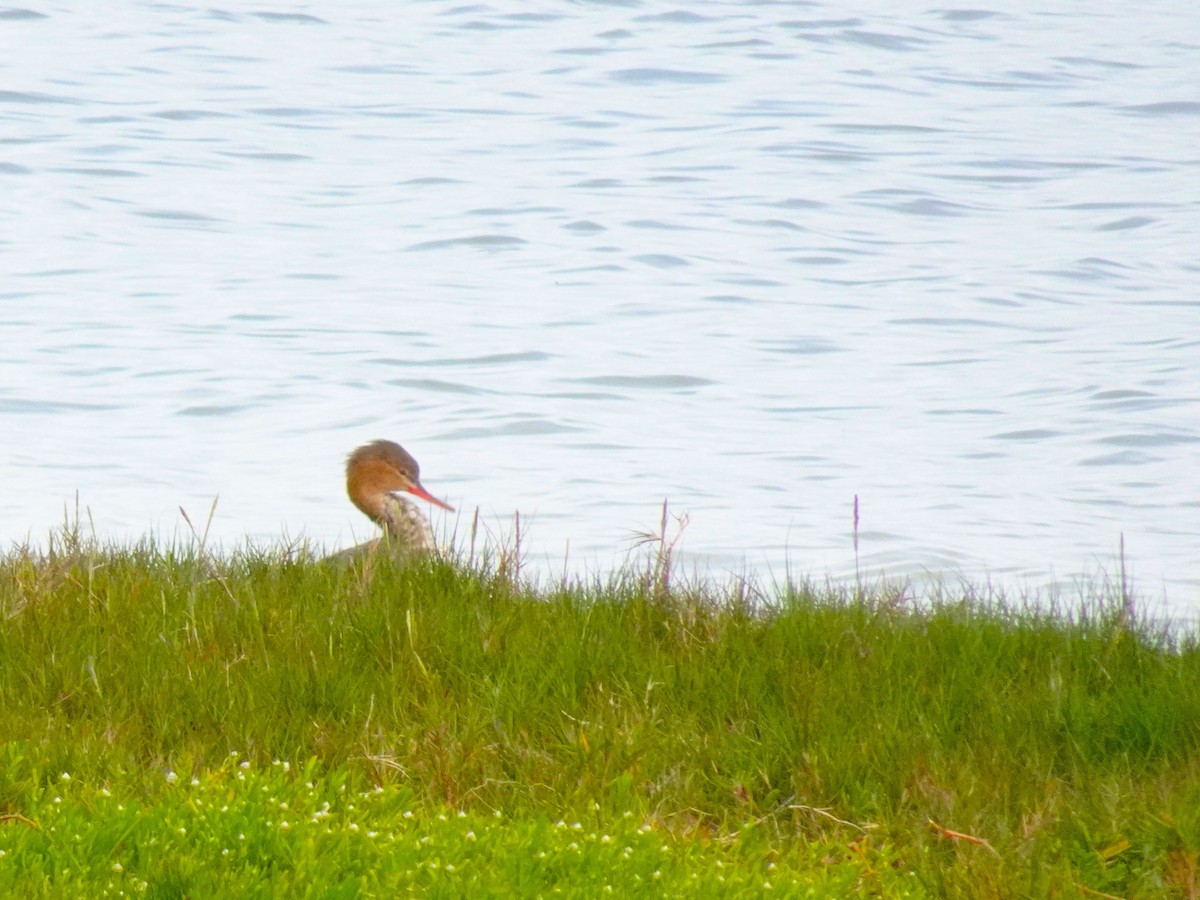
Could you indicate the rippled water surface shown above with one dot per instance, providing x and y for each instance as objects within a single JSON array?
[{"x": 756, "y": 258}]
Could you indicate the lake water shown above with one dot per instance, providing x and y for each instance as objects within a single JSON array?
[{"x": 756, "y": 258}]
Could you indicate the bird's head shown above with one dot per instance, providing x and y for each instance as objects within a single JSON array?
[{"x": 384, "y": 467}]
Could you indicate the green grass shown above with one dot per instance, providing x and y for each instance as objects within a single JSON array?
[{"x": 824, "y": 743}]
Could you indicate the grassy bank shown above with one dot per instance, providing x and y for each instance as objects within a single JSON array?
[{"x": 817, "y": 742}]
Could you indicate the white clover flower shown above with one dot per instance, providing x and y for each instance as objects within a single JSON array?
[
  {"x": 117, "y": 867},
  {"x": 172, "y": 777},
  {"x": 65, "y": 776},
  {"x": 408, "y": 814}
]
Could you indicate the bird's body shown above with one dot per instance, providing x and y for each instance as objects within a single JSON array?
[{"x": 374, "y": 473}]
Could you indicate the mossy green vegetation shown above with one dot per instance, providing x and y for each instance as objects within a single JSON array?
[{"x": 424, "y": 728}]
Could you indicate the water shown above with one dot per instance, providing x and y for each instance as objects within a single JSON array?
[{"x": 756, "y": 258}]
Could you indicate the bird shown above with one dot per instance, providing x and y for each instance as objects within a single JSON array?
[{"x": 376, "y": 475}]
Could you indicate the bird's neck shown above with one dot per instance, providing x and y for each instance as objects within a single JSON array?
[{"x": 404, "y": 525}]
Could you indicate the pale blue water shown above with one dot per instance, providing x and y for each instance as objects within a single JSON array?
[{"x": 756, "y": 258}]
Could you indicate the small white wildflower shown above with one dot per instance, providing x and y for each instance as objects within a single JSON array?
[
  {"x": 244, "y": 764},
  {"x": 284, "y": 825},
  {"x": 275, "y": 762},
  {"x": 225, "y": 851},
  {"x": 449, "y": 867},
  {"x": 408, "y": 814},
  {"x": 117, "y": 867},
  {"x": 241, "y": 837},
  {"x": 470, "y": 835},
  {"x": 58, "y": 799},
  {"x": 287, "y": 766},
  {"x": 379, "y": 788},
  {"x": 496, "y": 813},
  {"x": 572, "y": 846},
  {"x": 606, "y": 839},
  {"x": 105, "y": 792},
  {"x": 354, "y": 826},
  {"x": 770, "y": 867},
  {"x": 627, "y": 814},
  {"x": 195, "y": 782},
  {"x": 441, "y": 817},
  {"x": 65, "y": 776},
  {"x": 172, "y": 778},
  {"x": 575, "y": 826},
  {"x": 182, "y": 830},
  {"x": 283, "y": 804},
  {"x": 120, "y": 807},
  {"x": 462, "y": 814},
  {"x": 595, "y": 806},
  {"x": 766, "y": 885},
  {"x": 225, "y": 808},
  {"x": 372, "y": 834},
  {"x": 541, "y": 854}
]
